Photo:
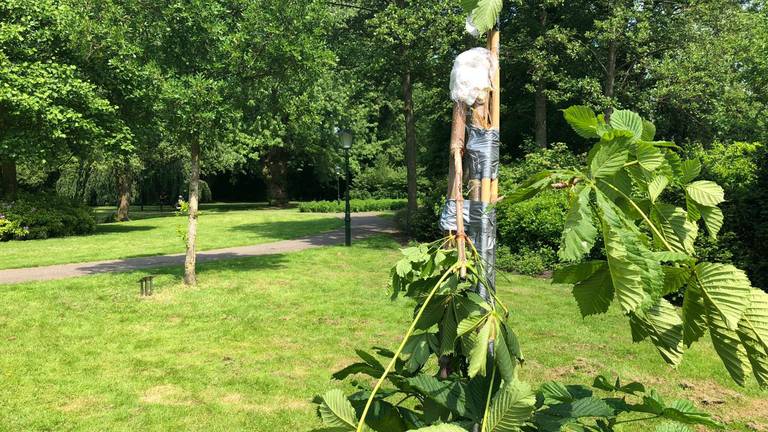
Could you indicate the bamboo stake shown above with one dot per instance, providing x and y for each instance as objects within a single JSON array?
[{"x": 494, "y": 42}]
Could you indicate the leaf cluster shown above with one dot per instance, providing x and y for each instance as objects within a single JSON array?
[
  {"x": 645, "y": 202},
  {"x": 457, "y": 367}
]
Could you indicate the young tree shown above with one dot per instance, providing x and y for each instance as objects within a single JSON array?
[{"x": 198, "y": 119}]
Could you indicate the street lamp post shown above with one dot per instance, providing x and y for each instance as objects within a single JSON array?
[
  {"x": 346, "y": 138},
  {"x": 338, "y": 184}
]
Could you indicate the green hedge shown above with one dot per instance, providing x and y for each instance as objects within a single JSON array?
[
  {"x": 529, "y": 233},
  {"x": 44, "y": 215},
  {"x": 357, "y": 205}
]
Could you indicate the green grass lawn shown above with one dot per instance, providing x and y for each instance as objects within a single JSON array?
[
  {"x": 259, "y": 337},
  {"x": 220, "y": 226}
]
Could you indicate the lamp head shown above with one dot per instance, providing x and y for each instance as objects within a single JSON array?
[{"x": 345, "y": 138}]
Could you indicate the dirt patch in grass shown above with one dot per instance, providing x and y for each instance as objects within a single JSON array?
[
  {"x": 580, "y": 365},
  {"x": 81, "y": 404},
  {"x": 239, "y": 402},
  {"x": 728, "y": 405},
  {"x": 166, "y": 394}
]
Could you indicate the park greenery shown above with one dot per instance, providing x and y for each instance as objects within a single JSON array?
[
  {"x": 627, "y": 241},
  {"x": 186, "y": 358},
  {"x": 634, "y": 171},
  {"x": 115, "y": 103}
]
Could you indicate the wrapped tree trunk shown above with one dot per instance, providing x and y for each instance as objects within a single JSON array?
[{"x": 190, "y": 274}]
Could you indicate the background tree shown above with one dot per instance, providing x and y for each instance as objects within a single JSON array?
[{"x": 402, "y": 48}]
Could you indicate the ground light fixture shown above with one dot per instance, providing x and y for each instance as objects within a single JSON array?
[{"x": 346, "y": 139}]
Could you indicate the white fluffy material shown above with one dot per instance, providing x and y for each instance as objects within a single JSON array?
[
  {"x": 470, "y": 28},
  {"x": 471, "y": 76}
]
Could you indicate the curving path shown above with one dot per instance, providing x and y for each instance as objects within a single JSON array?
[{"x": 363, "y": 225}]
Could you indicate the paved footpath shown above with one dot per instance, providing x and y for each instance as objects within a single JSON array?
[{"x": 363, "y": 225}]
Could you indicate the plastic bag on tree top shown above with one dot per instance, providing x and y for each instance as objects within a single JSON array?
[
  {"x": 471, "y": 76},
  {"x": 470, "y": 28}
]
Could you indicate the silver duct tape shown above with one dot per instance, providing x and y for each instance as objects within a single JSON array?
[
  {"x": 482, "y": 232},
  {"x": 448, "y": 216},
  {"x": 483, "y": 152}
]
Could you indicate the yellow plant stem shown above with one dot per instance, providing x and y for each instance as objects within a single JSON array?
[
  {"x": 488, "y": 399},
  {"x": 399, "y": 351}
]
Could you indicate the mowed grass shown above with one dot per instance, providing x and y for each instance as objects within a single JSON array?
[
  {"x": 218, "y": 227},
  {"x": 252, "y": 344}
]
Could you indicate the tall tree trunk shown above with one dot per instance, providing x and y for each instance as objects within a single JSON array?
[
  {"x": 610, "y": 78},
  {"x": 410, "y": 144},
  {"x": 10, "y": 183},
  {"x": 540, "y": 97},
  {"x": 81, "y": 184},
  {"x": 190, "y": 276},
  {"x": 124, "y": 194},
  {"x": 541, "y": 114},
  {"x": 276, "y": 176}
]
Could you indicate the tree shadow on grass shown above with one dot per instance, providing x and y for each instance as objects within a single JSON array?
[
  {"x": 113, "y": 228},
  {"x": 233, "y": 263},
  {"x": 174, "y": 264},
  {"x": 288, "y": 230}
]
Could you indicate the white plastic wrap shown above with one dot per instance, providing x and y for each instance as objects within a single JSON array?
[
  {"x": 470, "y": 28},
  {"x": 471, "y": 76}
]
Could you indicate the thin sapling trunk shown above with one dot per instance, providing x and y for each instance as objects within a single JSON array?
[{"x": 190, "y": 276}]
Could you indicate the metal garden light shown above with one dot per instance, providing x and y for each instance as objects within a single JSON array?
[{"x": 345, "y": 139}]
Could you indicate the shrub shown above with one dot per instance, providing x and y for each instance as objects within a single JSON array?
[
  {"x": 356, "y": 205},
  {"x": 11, "y": 230},
  {"x": 380, "y": 181},
  {"x": 47, "y": 215},
  {"x": 529, "y": 232},
  {"x": 527, "y": 261},
  {"x": 557, "y": 156}
]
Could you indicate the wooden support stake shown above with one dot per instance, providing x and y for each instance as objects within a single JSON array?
[
  {"x": 494, "y": 42},
  {"x": 455, "y": 183},
  {"x": 474, "y": 190}
]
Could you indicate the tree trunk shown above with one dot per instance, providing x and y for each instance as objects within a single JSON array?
[
  {"x": 541, "y": 114},
  {"x": 124, "y": 194},
  {"x": 410, "y": 144},
  {"x": 540, "y": 98},
  {"x": 10, "y": 183},
  {"x": 190, "y": 276},
  {"x": 81, "y": 184},
  {"x": 610, "y": 79},
  {"x": 276, "y": 176}
]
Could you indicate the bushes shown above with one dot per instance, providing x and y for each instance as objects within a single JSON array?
[
  {"x": 44, "y": 216},
  {"x": 529, "y": 233},
  {"x": 206, "y": 196},
  {"x": 357, "y": 205},
  {"x": 11, "y": 230},
  {"x": 380, "y": 181}
]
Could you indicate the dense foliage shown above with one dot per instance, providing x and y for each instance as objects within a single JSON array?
[
  {"x": 40, "y": 216},
  {"x": 458, "y": 367},
  {"x": 356, "y": 205},
  {"x": 740, "y": 168},
  {"x": 91, "y": 87},
  {"x": 637, "y": 202}
]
